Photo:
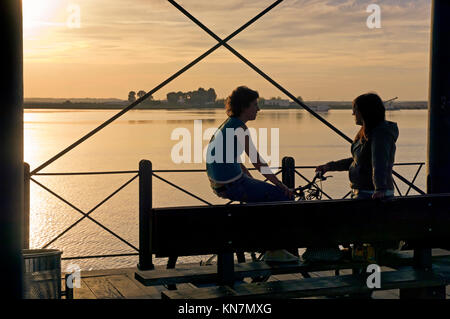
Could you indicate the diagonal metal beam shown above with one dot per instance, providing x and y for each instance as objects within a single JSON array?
[
  {"x": 85, "y": 215},
  {"x": 181, "y": 189},
  {"x": 257, "y": 70},
  {"x": 92, "y": 210},
  {"x": 396, "y": 187},
  {"x": 346, "y": 195},
  {"x": 155, "y": 89},
  {"x": 278, "y": 86},
  {"x": 414, "y": 179}
]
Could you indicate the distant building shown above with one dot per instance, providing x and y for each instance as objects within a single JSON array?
[{"x": 276, "y": 102}]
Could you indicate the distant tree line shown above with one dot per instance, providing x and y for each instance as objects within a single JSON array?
[
  {"x": 198, "y": 97},
  {"x": 133, "y": 96}
]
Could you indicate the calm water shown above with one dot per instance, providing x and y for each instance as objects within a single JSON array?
[{"x": 147, "y": 135}]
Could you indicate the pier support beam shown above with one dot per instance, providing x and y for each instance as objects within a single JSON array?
[
  {"x": 438, "y": 163},
  {"x": 11, "y": 148},
  {"x": 439, "y": 101}
]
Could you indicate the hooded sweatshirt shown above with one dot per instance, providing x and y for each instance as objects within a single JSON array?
[{"x": 370, "y": 167}]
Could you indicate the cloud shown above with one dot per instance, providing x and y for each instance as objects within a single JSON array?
[{"x": 315, "y": 35}]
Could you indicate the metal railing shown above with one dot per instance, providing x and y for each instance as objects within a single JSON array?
[{"x": 289, "y": 171}]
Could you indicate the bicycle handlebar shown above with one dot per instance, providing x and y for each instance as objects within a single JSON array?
[{"x": 299, "y": 190}]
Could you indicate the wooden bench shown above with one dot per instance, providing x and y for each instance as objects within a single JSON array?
[
  {"x": 208, "y": 274},
  {"x": 186, "y": 231},
  {"x": 321, "y": 286}
]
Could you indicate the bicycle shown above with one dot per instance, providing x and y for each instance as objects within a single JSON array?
[{"x": 310, "y": 191}]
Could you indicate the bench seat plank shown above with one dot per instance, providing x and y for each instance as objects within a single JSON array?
[
  {"x": 205, "y": 274},
  {"x": 322, "y": 286},
  {"x": 244, "y": 270},
  {"x": 181, "y": 231}
]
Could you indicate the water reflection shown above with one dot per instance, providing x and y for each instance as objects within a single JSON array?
[
  {"x": 190, "y": 121},
  {"x": 146, "y": 134}
]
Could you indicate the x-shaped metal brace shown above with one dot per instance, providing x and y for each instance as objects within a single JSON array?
[{"x": 221, "y": 42}]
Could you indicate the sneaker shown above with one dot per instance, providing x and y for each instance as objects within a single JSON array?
[
  {"x": 322, "y": 254},
  {"x": 280, "y": 255}
]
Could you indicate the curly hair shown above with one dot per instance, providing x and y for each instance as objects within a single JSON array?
[{"x": 239, "y": 100}]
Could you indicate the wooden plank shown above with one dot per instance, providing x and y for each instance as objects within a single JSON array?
[
  {"x": 186, "y": 286},
  {"x": 386, "y": 294},
  {"x": 205, "y": 274},
  {"x": 154, "y": 292},
  {"x": 287, "y": 277},
  {"x": 322, "y": 286},
  {"x": 126, "y": 287},
  {"x": 101, "y": 288},
  {"x": 83, "y": 292},
  {"x": 199, "y": 293},
  {"x": 117, "y": 271}
]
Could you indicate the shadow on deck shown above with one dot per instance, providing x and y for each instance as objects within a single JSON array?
[{"x": 120, "y": 284}]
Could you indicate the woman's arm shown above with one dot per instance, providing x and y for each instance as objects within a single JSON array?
[{"x": 341, "y": 165}]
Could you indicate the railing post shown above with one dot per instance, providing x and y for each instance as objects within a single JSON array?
[
  {"x": 26, "y": 207},
  {"x": 288, "y": 179},
  {"x": 145, "y": 217},
  {"x": 288, "y": 171}
]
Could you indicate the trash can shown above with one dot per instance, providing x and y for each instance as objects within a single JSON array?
[{"x": 42, "y": 273}]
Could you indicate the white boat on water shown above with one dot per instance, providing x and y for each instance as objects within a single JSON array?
[{"x": 320, "y": 108}]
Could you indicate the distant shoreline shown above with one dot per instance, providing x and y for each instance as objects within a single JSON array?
[{"x": 407, "y": 105}]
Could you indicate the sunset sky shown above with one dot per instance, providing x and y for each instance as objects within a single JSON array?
[{"x": 319, "y": 49}]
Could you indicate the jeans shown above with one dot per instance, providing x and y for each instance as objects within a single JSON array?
[{"x": 250, "y": 190}]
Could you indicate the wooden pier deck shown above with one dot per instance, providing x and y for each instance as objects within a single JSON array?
[{"x": 120, "y": 284}]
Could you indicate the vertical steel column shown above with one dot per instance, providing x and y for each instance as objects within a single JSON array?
[
  {"x": 439, "y": 101},
  {"x": 11, "y": 149},
  {"x": 26, "y": 207},
  {"x": 438, "y": 164},
  {"x": 145, "y": 218}
]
